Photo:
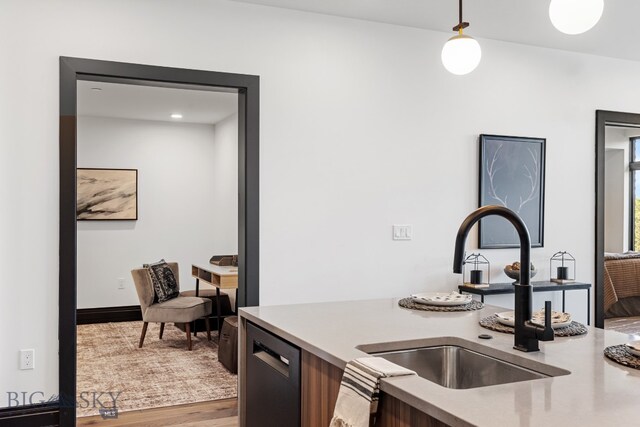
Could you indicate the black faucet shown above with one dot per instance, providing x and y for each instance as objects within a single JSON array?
[{"x": 527, "y": 334}]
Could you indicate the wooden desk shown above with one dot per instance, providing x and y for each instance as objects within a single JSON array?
[
  {"x": 220, "y": 277},
  {"x": 507, "y": 288}
]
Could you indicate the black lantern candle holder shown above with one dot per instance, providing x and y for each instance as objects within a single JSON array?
[
  {"x": 480, "y": 269},
  {"x": 562, "y": 268}
]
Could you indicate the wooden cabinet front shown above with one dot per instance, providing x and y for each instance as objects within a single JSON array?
[{"x": 320, "y": 386}]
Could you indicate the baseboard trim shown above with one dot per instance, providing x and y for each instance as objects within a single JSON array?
[
  {"x": 129, "y": 313},
  {"x": 39, "y": 415}
]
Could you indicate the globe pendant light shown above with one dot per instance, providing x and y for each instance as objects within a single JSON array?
[
  {"x": 575, "y": 16},
  {"x": 461, "y": 54}
]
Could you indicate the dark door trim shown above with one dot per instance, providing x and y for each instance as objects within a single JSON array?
[
  {"x": 36, "y": 415},
  {"x": 604, "y": 119},
  {"x": 74, "y": 69}
]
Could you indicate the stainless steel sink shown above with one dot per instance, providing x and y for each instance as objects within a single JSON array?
[{"x": 455, "y": 365}]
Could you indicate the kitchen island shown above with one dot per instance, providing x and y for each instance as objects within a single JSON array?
[{"x": 596, "y": 392}]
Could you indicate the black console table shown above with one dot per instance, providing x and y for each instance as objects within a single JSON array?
[{"x": 507, "y": 288}]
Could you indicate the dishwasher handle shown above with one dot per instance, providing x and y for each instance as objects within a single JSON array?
[{"x": 271, "y": 358}]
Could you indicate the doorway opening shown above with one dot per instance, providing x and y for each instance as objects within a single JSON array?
[
  {"x": 109, "y": 144},
  {"x": 617, "y": 302}
]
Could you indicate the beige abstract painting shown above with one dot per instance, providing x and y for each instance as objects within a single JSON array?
[{"x": 107, "y": 194}]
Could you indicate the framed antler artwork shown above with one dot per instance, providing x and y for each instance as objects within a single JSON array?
[{"x": 511, "y": 175}]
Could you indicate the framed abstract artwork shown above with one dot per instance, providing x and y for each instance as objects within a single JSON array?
[
  {"x": 511, "y": 175},
  {"x": 107, "y": 194}
]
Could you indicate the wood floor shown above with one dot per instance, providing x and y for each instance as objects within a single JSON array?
[
  {"x": 218, "y": 413},
  {"x": 626, "y": 325}
]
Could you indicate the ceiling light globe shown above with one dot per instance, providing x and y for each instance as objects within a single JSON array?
[
  {"x": 575, "y": 16},
  {"x": 461, "y": 54}
]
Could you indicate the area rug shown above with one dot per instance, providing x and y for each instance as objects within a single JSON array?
[{"x": 161, "y": 373}]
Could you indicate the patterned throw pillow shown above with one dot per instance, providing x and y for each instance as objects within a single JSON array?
[{"x": 164, "y": 282}]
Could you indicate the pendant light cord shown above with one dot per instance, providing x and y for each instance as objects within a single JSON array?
[{"x": 461, "y": 24}]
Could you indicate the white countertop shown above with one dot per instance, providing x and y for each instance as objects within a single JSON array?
[{"x": 598, "y": 392}]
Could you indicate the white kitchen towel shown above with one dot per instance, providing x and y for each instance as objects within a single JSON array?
[{"x": 359, "y": 390}]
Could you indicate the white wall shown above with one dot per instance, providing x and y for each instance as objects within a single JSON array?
[
  {"x": 224, "y": 169},
  {"x": 616, "y": 204},
  {"x": 361, "y": 127},
  {"x": 616, "y": 225},
  {"x": 183, "y": 203}
]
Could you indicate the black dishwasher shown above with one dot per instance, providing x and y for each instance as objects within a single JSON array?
[{"x": 272, "y": 380}]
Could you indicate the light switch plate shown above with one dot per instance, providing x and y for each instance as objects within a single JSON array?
[{"x": 402, "y": 232}]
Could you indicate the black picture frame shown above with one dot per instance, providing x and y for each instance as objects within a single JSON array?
[
  {"x": 133, "y": 218},
  {"x": 511, "y": 166}
]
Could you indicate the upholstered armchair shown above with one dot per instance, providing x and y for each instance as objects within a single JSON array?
[{"x": 177, "y": 310}]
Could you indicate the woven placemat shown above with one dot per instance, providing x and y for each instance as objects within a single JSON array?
[
  {"x": 573, "y": 329},
  {"x": 620, "y": 354},
  {"x": 408, "y": 303}
]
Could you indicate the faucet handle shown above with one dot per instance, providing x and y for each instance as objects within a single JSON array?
[{"x": 547, "y": 334}]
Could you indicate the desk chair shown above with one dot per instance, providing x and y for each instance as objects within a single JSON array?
[{"x": 177, "y": 310}]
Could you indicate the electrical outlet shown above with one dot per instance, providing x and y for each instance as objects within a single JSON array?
[
  {"x": 402, "y": 232},
  {"x": 121, "y": 283},
  {"x": 27, "y": 359}
]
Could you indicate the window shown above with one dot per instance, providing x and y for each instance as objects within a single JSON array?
[{"x": 634, "y": 195}]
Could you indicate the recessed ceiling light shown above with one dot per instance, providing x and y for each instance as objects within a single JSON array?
[{"x": 176, "y": 116}]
